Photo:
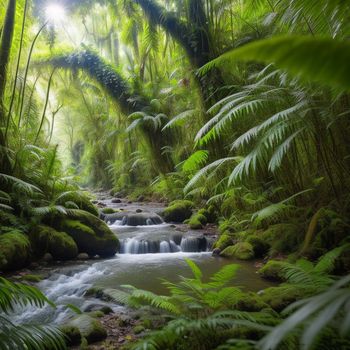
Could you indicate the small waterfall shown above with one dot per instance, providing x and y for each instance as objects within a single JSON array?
[
  {"x": 164, "y": 247},
  {"x": 132, "y": 219},
  {"x": 187, "y": 244}
]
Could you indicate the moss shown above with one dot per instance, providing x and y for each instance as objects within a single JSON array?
[
  {"x": 273, "y": 270},
  {"x": 75, "y": 199},
  {"x": 91, "y": 235},
  {"x": 108, "y": 211},
  {"x": 259, "y": 246},
  {"x": 251, "y": 302},
  {"x": 241, "y": 250},
  {"x": 280, "y": 297},
  {"x": 223, "y": 241},
  {"x": 211, "y": 214},
  {"x": 178, "y": 211},
  {"x": 72, "y": 335},
  {"x": 90, "y": 328},
  {"x": 138, "y": 329},
  {"x": 10, "y": 220},
  {"x": 197, "y": 221},
  {"x": 96, "y": 314},
  {"x": 46, "y": 239},
  {"x": 14, "y": 250},
  {"x": 32, "y": 278},
  {"x": 331, "y": 229},
  {"x": 283, "y": 238}
]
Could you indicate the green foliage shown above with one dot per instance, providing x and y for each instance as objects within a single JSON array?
[
  {"x": 311, "y": 316},
  {"x": 198, "y": 306},
  {"x": 318, "y": 59},
  {"x": 25, "y": 336},
  {"x": 77, "y": 200}
]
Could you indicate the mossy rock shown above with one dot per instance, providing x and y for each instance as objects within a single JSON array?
[
  {"x": 75, "y": 199},
  {"x": 138, "y": 329},
  {"x": 223, "y": 241},
  {"x": 46, "y": 239},
  {"x": 9, "y": 220},
  {"x": 330, "y": 231},
  {"x": 211, "y": 214},
  {"x": 72, "y": 335},
  {"x": 241, "y": 250},
  {"x": 197, "y": 221},
  {"x": 273, "y": 270},
  {"x": 251, "y": 302},
  {"x": 90, "y": 328},
  {"x": 14, "y": 250},
  {"x": 283, "y": 238},
  {"x": 282, "y": 296},
  {"x": 178, "y": 211},
  {"x": 108, "y": 211},
  {"x": 91, "y": 235},
  {"x": 260, "y": 247},
  {"x": 32, "y": 278}
]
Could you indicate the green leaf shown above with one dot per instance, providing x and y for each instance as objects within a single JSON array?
[{"x": 318, "y": 59}]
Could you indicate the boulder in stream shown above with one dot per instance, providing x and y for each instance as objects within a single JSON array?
[
  {"x": 178, "y": 211},
  {"x": 91, "y": 234},
  {"x": 89, "y": 327}
]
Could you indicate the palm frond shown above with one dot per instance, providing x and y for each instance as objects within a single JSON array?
[{"x": 318, "y": 59}]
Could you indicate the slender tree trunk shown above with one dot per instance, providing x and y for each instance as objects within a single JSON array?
[{"x": 5, "y": 50}]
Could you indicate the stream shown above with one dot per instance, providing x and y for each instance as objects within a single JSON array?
[{"x": 148, "y": 253}]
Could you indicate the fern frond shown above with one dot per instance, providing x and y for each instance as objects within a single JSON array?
[{"x": 317, "y": 59}]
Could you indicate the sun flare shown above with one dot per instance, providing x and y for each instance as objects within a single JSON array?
[{"x": 55, "y": 13}]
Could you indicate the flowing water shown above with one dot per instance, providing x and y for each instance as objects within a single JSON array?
[{"x": 147, "y": 255}]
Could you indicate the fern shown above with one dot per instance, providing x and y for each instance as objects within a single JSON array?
[
  {"x": 14, "y": 336},
  {"x": 313, "y": 315},
  {"x": 317, "y": 59},
  {"x": 195, "y": 160}
]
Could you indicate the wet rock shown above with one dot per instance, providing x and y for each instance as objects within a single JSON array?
[
  {"x": 138, "y": 210},
  {"x": 89, "y": 327},
  {"x": 47, "y": 257},
  {"x": 116, "y": 200},
  {"x": 216, "y": 252},
  {"x": 98, "y": 307},
  {"x": 140, "y": 198},
  {"x": 83, "y": 256},
  {"x": 72, "y": 335},
  {"x": 134, "y": 219},
  {"x": 177, "y": 237}
]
